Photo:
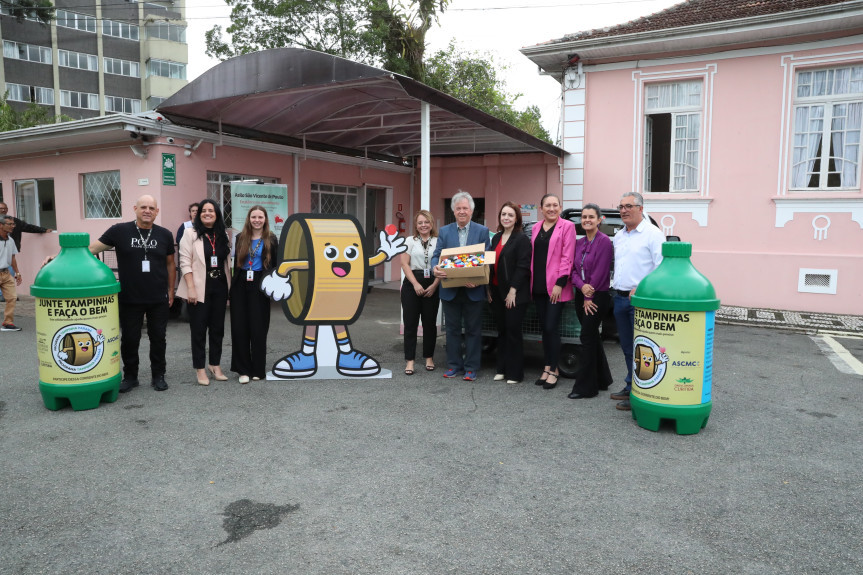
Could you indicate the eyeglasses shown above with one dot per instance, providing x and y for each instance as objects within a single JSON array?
[{"x": 627, "y": 207}]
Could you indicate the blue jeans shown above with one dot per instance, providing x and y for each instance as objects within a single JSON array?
[
  {"x": 624, "y": 316},
  {"x": 461, "y": 307}
]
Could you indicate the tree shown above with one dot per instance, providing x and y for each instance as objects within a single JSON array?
[
  {"x": 32, "y": 115},
  {"x": 473, "y": 78},
  {"x": 40, "y": 10},
  {"x": 386, "y": 33}
]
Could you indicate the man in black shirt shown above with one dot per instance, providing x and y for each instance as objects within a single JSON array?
[{"x": 145, "y": 263}]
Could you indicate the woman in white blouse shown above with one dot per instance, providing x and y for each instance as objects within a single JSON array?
[{"x": 420, "y": 298}]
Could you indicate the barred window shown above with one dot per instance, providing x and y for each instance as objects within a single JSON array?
[{"x": 102, "y": 195}]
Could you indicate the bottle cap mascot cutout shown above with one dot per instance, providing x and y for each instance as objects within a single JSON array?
[{"x": 321, "y": 281}]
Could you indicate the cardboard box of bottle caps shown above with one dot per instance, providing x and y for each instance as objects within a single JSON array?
[{"x": 469, "y": 274}]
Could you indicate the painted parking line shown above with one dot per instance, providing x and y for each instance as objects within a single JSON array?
[{"x": 840, "y": 357}]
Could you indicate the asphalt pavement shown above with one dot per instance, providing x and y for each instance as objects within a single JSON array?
[{"x": 423, "y": 475}]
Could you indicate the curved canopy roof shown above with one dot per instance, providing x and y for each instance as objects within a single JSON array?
[{"x": 309, "y": 99}]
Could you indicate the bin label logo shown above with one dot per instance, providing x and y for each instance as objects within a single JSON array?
[
  {"x": 650, "y": 362},
  {"x": 78, "y": 348}
]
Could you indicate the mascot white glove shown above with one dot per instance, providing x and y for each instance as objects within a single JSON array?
[
  {"x": 277, "y": 287},
  {"x": 391, "y": 244}
]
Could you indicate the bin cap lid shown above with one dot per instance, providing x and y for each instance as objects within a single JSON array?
[
  {"x": 75, "y": 240},
  {"x": 676, "y": 250}
]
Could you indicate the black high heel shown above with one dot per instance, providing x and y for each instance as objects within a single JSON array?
[
  {"x": 551, "y": 384},
  {"x": 541, "y": 381}
]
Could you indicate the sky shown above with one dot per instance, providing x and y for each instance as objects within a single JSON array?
[{"x": 498, "y": 28}]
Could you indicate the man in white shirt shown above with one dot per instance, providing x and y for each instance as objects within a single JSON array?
[
  {"x": 637, "y": 252},
  {"x": 8, "y": 281}
]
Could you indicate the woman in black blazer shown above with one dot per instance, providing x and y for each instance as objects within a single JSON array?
[{"x": 509, "y": 291}]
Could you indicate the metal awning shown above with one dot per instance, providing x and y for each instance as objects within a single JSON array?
[{"x": 309, "y": 99}]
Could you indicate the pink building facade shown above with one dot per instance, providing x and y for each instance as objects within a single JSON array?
[
  {"x": 85, "y": 176},
  {"x": 743, "y": 132}
]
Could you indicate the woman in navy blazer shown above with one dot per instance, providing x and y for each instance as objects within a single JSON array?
[
  {"x": 509, "y": 291},
  {"x": 553, "y": 241}
]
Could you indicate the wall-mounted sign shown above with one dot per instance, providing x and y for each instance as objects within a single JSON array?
[{"x": 169, "y": 170}]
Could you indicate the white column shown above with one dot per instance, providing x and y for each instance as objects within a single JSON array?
[
  {"x": 425, "y": 158},
  {"x": 574, "y": 83}
]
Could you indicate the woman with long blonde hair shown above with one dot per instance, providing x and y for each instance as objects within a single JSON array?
[{"x": 255, "y": 255}]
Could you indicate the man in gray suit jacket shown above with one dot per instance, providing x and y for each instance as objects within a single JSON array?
[{"x": 462, "y": 303}]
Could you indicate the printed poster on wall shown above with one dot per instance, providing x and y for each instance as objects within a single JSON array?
[{"x": 273, "y": 197}]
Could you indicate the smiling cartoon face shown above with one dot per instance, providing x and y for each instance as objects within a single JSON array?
[
  {"x": 85, "y": 345},
  {"x": 340, "y": 258},
  {"x": 645, "y": 362}
]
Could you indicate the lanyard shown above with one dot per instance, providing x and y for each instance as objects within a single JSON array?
[
  {"x": 144, "y": 240},
  {"x": 425, "y": 245},
  {"x": 212, "y": 240},
  {"x": 255, "y": 250},
  {"x": 584, "y": 255}
]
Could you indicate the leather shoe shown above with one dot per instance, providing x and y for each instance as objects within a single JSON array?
[
  {"x": 620, "y": 395},
  {"x": 623, "y": 405},
  {"x": 159, "y": 383},
  {"x": 578, "y": 395},
  {"x": 128, "y": 384}
]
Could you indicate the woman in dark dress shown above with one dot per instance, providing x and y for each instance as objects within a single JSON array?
[
  {"x": 509, "y": 291},
  {"x": 256, "y": 252},
  {"x": 591, "y": 277}
]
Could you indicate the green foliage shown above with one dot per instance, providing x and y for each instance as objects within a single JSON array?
[
  {"x": 386, "y": 33},
  {"x": 40, "y": 10},
  {"x": 473, "y": 78},
  {"x": 32, "y": 115}
]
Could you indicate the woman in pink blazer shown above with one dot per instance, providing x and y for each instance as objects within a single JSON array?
[
  {"x": 553, "y": 241},
  {"x": 204, "y": 265}
]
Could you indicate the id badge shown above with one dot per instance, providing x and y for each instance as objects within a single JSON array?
[
  {"x": 426, "y": 273},
  {"x": 582, "y": 274},
  {"x": 214, "y": 262},
  {"x": 145, "y": 266},
  {"x": 250, "y": 275}
]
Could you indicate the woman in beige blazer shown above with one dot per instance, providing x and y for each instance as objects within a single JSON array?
[{"x": 204, "y": 265}]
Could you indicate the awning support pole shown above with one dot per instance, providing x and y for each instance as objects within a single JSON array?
[{"x": 425, "y": 158}]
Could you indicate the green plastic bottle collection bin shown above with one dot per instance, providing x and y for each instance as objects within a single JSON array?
[
  {"x": 77, "y": 328},
  {"x": 672, "y": 375}
]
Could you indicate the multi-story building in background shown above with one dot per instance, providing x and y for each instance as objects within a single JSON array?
[{"x": 97, "y": 56}]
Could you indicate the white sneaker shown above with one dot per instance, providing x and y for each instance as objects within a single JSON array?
[{"x": 499, "y": 377}]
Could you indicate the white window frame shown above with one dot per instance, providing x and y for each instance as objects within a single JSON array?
[
  {"x": 350, "y": 197},
  {"x": 841, "y": 118},
  {"x": 69, "y": 59},
  {"x": 122, "y": 67},
  {"x": 166, "y": 69},
  {"x": 109, "y": 212},
  {"x": 166, "y": 31},
  {"x": 682, "y": 115},
  {"x": 27, "y": 52},
  {"x": 76, "y": 21},
  {"x": 641, "y": 80},
  {"x": 120, "y": 30},
  {"x": 71, "y": 99},
  {"x": 121, "y": 104},
  {"x": 36, "y": 94}
]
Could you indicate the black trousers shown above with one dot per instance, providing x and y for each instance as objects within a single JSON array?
[
  {"x": 415, "y": 308},
  {"x": 549, "y": 322},
  {"x": 131, "y": 322},
  {"x": 510, "y": 341},
  {"x": 594, "y": 373},
  {"x": 250, "y": 322},
  {"x": 208, "y": 318}
]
